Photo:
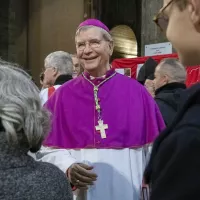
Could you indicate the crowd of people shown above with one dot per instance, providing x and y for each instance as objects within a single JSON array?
[{"x": 91, "y": 133}]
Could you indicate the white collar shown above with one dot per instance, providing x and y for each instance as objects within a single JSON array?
[{"x": 93, "y": 78}]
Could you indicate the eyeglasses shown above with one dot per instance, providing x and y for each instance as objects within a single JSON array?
[
  {"x": 161, "y": 19},
  {"x": 93, "y": 44}
]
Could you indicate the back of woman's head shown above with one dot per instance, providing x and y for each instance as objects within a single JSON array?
[{"x": 23, "y": 119}]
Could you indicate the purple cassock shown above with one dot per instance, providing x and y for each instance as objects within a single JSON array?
[{"x": 131, "y": 114}]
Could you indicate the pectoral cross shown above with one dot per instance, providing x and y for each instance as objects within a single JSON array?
[{"x": 102, "y": 127}]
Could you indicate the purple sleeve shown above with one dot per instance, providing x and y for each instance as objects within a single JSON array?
[{"x": 53, "y": 105}]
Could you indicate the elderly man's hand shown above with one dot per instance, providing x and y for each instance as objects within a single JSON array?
[
  {"x": 149, "y": 85},
  {"x": 81, "y": 176}
]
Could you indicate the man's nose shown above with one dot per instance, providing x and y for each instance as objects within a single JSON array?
[{"x": 87, "y": 49}]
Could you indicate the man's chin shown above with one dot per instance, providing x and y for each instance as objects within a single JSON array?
[
  {"x": 189, "y": 59},
  {"x": 90, "y": 68}
]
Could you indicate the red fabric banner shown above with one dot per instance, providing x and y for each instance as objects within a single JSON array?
[{"x": 193, "y": 73}]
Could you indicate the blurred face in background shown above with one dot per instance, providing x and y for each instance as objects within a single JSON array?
[
  {"x": 44, "y": 84},
  {"x": 160, "y": 79},
  {"x": 76, "y": 66},
  {"x": 180, "y": 21},
  {"x": 50, "y": 74}
]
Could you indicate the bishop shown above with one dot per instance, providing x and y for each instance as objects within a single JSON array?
[{"x": 109, "y": 165}]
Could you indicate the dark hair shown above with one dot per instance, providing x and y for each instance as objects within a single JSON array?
[
  {"x": 151, "y": 77},
  {"x": 182, "y": 4},
  {"x": 146, "y": 70}
]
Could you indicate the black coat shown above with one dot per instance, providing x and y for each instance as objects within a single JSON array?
[
  {"x": 174, "y": 168},
  {"x": 168, "y": 98},
  {"x": 63, "y": 78}
]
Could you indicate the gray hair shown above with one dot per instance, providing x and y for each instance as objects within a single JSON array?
[
  {"x": 24, "y": 120},
  {"x": 105, "y": 34},
  {"x": 60, "y": 60},
  {"x": 173, "y": 69}
]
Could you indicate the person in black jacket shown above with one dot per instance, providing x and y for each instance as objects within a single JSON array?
[
  {"x": 173, "y": 172},
  {"x": 169, "y": 84}
]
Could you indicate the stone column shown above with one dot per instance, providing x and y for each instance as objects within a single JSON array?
[
  {"x": 4, "y": 21},
  {"x": 18, "y": 32},
  {"x": 150, "y": 34},
  {"x": 13, "y": 31}
]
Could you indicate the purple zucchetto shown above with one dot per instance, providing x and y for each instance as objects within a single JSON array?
[{"x": 94, "y": 22}]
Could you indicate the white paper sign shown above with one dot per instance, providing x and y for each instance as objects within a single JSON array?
[
  {"x": 158, "y": 49},
  {"x": 120, "y": 71}
]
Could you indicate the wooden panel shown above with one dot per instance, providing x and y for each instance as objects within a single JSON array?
[
  {"x": 52, "y": 26},
  {"x": 13, "y": 31},
  {"x": 150, "y": 34},
  {"x": 4, "y": 19},
  {"x": 18, "y": 19}
]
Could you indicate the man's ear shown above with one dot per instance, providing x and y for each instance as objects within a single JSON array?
[
  {"x": 166, "y": 79},
  {"x": 55, "y": 71},
  {"x": 194, "y": 10},
  {"x": 111, "y": 47}
]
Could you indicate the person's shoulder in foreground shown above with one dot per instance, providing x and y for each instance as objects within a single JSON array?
[
  {"x": 54, "y": 181},
  {"x": 179, "y": 158},
  {"x": 178, "y": 154},
  {"x": 38, "y": 181}
]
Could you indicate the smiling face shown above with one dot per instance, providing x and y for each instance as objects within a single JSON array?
[
  {"x": 160, "y": 79},
  {"x": 76, "y": 66},
  {"x": 50, "y": 74},
  {"x": 183, "y": 29},
  {"x": 92, "y": 49}
]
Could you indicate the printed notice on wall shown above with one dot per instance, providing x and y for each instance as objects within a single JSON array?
[{"x": 158, "y": 49}]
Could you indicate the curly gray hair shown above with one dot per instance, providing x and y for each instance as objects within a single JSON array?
[{"x": 21, "y": 112}]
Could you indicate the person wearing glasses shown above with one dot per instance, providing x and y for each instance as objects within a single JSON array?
[
  {"x": 58, "y": 69},
  {"x": 173, "y": 171},
  {"x": 106, "y": 121},
  {"x": 77, "y": 68}
]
